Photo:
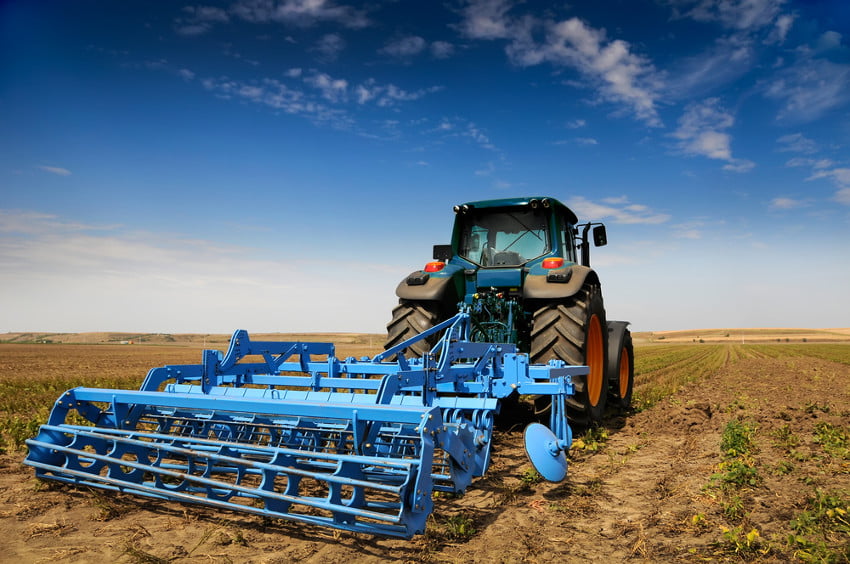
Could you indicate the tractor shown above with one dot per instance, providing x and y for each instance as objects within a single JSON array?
[
  {"x": 286, "y": 430},
  {"x": 521, "y": 266}
]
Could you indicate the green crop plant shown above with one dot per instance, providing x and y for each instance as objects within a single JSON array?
[
  {"x": 737, "y": 438},
  {"x": 834, "y": 440},
  {"x": 821, "y": 532},
  {"x": 593, "y": 440},
  {"x": 459, "y": 527},
  {"x": 785, "y": 438},
  {"x": 743, "y": 543},
  {"x": 529, "y": 477}
]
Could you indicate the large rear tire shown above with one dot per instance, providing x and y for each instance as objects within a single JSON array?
[
  {"x": 575, "y": 331},
  {"x": 409, "y": 319}
]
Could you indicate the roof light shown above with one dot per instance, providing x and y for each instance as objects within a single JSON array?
[
  {"x": 553, "y": 262},
  {"x": 435, "y": 266}
]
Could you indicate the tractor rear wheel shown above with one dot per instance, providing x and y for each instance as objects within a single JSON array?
[
  {"x": 409, "y": 319},
  {"x": 621, "y": 365},
  {"x": 574, "y": 330}
]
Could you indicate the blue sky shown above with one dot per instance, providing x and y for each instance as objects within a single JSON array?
[{"x": 279, "y": 165}]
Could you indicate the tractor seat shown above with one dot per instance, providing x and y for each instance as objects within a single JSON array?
[{"x": 507, "y": 258}]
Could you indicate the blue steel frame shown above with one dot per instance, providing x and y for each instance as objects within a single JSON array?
[{"x": 353, "y": 444}]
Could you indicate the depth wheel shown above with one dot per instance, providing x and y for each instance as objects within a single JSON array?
[
  {"x": 575, "y": 331},
  {"x": 409, "y": 319}
]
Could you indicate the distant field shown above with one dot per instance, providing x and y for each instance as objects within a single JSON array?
[
  {"x": 375, "y": 340},
  {"x": 745, "y": 336}
]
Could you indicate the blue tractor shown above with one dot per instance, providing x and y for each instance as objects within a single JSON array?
[{"x": 521, "y": 267}]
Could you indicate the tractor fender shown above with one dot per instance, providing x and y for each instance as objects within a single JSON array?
[
  {"x": 420, "y": 286},
  {"x": 557, "y": 284}
]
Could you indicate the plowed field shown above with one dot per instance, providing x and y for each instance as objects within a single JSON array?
[{"x": 734, "y": 452}]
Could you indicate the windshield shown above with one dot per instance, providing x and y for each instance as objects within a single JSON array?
[{"x": 503, "y": 238}]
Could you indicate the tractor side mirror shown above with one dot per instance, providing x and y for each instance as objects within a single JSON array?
[
  {"x": 442, "y": 252},
  {"x": 600, "y": 237}
]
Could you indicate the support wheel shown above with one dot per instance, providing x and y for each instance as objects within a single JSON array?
[
  {"x": 574, "y": 330},
  {"x": 409, "y": 319}
]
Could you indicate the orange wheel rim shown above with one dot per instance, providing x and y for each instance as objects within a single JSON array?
[
  {"x": 625, "y": 370},
  {"x": 595, "y": 361}
]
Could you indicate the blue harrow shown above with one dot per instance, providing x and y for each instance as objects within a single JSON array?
[{"x": 286, "y": 430}]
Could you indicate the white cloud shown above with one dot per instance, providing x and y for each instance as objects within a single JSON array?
[
  {"x": 56, "y": 170},
  {"x": 329, "y": 46},
  {"x": 734, "y": 14},
  {"x": 739, "y": 165},
  {"x": 701, "y": 132},
  {"x": 333, "y": 89},
  {"x": 781, "y": 28},
  {"x": 61, "y": 276},
  {"x": 185, "y": 74},
  {"x": 783, "y": 203},
  {"x": 809, "y": 89},
  {"x": 828, "y": 41},
  {"x": 404, "y": 47},
  {"x": 691, "y": 230},
  {"x": 386, "y": 95},
  {"x": 812, "y": 163},
  {"x": 26, "y": 222},
  {"x": 442, "y": 49},
  {"x": 276, "y": 95},
  {"x": 487, "y": 19},
  {"x": 797, "y": 143},
  {"x": 724, "y": 61},
  {"x": 303, "y": 13},
  {"x": 839, "y": 176},
  {"x": 199, "y": 19},
  {"x": 618, "y": 210},
  {"x": 464, "y": 128},
  {"x": 620, "y": 75}
]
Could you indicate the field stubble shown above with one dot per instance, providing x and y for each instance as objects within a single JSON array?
[{"x": 734, "y": 452}]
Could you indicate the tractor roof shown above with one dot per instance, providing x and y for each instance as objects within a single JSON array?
[{"x": 524, "y": 201}]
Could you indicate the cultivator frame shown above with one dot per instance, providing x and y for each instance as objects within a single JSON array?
[{"x": 287, "y": 430}]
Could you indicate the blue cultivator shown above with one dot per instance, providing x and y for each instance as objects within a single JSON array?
[{"x": 286, "y": 430}]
